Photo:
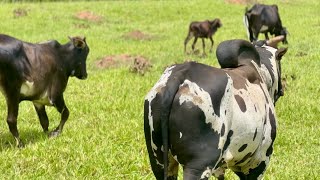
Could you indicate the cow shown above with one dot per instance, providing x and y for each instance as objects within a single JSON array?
[
  {"x": 203, "y": 29},
  {"x": 39, "y": 73},
  {"x": 264, "y": 19},
  {"x": 209, "y": 119}
]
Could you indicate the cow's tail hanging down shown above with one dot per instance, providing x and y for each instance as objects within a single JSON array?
[{"x": 167, "y": 96}]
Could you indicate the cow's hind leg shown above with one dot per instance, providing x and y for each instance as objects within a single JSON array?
[
  {"x": 190, "y": 35},
  {"x": 64, "y": 111},
  {"x": 13, "y": 108},
  {"x": 211, "y": 44},
  {"x": 41, "y": 111}
]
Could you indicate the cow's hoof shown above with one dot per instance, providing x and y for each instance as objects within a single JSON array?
[
  {"x": 20, "y": 144},
  {"x": 53, "y": 134}
]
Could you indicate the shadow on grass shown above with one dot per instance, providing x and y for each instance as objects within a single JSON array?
[{"x": 28, "y": 137}]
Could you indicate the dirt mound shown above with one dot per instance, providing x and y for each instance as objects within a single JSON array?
[
  {"x": 20, "y": 12},
  {"x": 138, "y": 35},
  {"x": 88, "y": 16},
  {"x": 136, "y": 64}
]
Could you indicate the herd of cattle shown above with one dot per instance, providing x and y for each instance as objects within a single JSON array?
[{"x": 207, "y": 119}]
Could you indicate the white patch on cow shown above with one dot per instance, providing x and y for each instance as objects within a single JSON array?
[
  {"x": 180, "y": 135},
  {"x": 206, "y": 174},
  {"x": 73, "y": 72},
  {"x": 27, "y": 88},
  {"x": 151, "y": 95},
  {"x": 264, "y": 28},
  {"x": 44, "y": 100}
]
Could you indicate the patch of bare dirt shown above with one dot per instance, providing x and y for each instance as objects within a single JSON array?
[
  {"x": 137, "y": 64},
  {"x": 88, "y": 16},
  {"x": 138, "y": 35},
  {"x": 20, "y": 12}
]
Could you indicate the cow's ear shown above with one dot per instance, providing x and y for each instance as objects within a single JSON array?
[
  {"x": 280, "y": 52},
  {"x": 78, "y": 42}
]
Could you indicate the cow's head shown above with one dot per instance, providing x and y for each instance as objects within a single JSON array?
[
  {"x": 271, "y": 66},
  {"x": 280, "y": 90},
  {"x": 216, "y": 23},
  {"x": 80, "y": 52}
]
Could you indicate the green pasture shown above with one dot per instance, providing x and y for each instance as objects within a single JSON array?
[{"x": 103, "y": 138}]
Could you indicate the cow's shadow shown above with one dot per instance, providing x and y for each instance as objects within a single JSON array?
[{"x": 28, "y": 137}]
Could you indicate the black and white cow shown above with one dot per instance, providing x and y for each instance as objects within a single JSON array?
[
  {"x": 209, "y": 119},
  {"x": 264, "y": 19},
  {"x": 39, "y": 73}
]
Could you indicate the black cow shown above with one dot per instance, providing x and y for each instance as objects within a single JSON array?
[
  {"x": 39, "y": 73},
  {"x": 203, "y": 29},
  {"x": 210, "y": 119},
  {"x": 264, "y": 19}
]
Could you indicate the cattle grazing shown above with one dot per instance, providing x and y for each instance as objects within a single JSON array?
[
  {"x": 264, "y": 19},
  {"x": 209, "y": 119},
  {"x": 203, "y": 29},
  {"x": 39, "y": 73}
]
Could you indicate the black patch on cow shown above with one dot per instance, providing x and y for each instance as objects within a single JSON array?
[
  {"x": 258, "y": 170},
  {"x": 243, "y": 147},
  {"x": 199, "y": 140},
  {"x": 255, "y": 108},
  {"x": 222, "y": 129},
  {"x": 273, "y": 131},
  {"x": 227, "y": 143},
  {"x": 241, "y": 103},
  {"x": 244, "y": 158},
  {"x": 255, "y": 134}
]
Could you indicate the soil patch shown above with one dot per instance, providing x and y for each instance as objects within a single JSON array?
[
  {"x": 138, "y": 35},
  {"x": 136, "y": 64},
  {"x": 88, "y": 16},
  {"x": 20, "y": 12}
]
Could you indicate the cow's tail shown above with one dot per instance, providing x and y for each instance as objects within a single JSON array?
[
  {"x": 167, "y": 100},
  {"x": 246, "y": 24}
]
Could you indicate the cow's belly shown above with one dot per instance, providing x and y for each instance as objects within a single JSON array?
[{"x": 28, "y": 91}]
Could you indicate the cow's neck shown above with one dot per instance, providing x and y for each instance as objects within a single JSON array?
[{"x": 67, "y": 53}]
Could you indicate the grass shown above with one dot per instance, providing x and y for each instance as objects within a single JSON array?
[{"x": 103, "y": 138}]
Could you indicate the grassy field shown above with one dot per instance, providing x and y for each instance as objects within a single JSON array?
[{"x": 103, "y": 138}]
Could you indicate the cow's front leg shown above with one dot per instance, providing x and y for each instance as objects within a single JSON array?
[
  {"x": 13, "y": 108},
  {"x": 43, "y": 117},
  {"x": 204, "y": 48},
  {"x": 63, "y": 110}
]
